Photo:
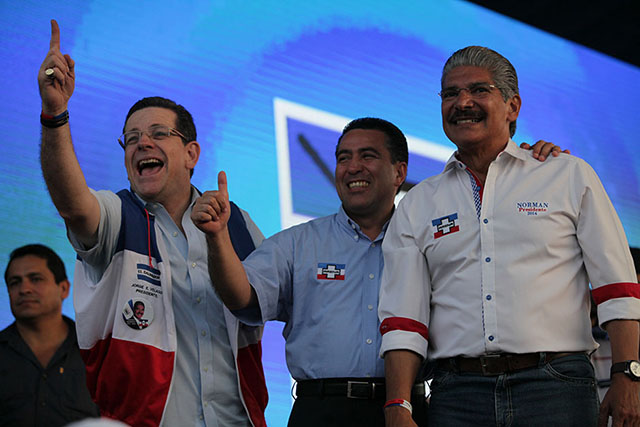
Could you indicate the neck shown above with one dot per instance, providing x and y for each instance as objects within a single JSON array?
[
  {"x": 371, "y": 225},
  {"x": 43, "y": 335},
  {"x": 478, "y": 157},
  {"x": 177, "y": 205}
]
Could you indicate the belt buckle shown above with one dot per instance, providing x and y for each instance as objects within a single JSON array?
[
  {"x": 350, "y": 384},
  {"x": 484, "y": 363}
]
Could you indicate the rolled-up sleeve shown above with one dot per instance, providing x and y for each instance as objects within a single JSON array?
[
  {"x": 405, "y": 290},
  {"x": 605, "y": 251}
]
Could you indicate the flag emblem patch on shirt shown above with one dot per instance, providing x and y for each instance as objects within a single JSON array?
[
  {"x": 445, "y": 225},
  {"x": 329, "y": 271},
  {"x": 148, "y": 274}
]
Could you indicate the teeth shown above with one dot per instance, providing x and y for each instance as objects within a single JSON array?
[
  {"x": 358, "y": 184},
  {"x": 463, "y": 121},
  {"x": 147, "y": 162}
]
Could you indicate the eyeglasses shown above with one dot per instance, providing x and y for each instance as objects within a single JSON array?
[
  {"x": 476, "y": 91},
  {"x": 157, "y": 133}
]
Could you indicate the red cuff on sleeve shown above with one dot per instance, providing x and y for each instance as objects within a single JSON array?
[
  {"x": 616, "y": 290},
  {"x": 404, "y": 324}
]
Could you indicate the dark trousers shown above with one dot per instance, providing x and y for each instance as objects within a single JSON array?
[{"x": 340, "y": 411}]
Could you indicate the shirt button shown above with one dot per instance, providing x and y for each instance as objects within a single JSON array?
[
  {"x": 44, "y": 376},
  {"x": 193, "y": 264},
  {"x": 487, "y": 259},
  {"x": 369, "y": 341},
  {"x": 370, "y": 307},
  {"x": 490, "y": 337},
  {"x": 488, "y": 297},
  {"x": 373, "y": 245},
  {"x": 201, "y": 417},
  {"x": 198, "y": 300},
  {"x": 486, "y": 221},
  {"x": 203, "y": 333},
  {"x": 371, "y": 276},
  {"x": 355, "y": 237},
  {"x": 43, "y": 403},
  {"x": 205, "y": 404},
  {"x": 175, "y": 233},
  {"x": 206, "y": 369}
]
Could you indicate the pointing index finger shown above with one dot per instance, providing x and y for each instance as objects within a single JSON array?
[
  {"x": 222, "y": 182},
  {"x": 55, "y": 35}
]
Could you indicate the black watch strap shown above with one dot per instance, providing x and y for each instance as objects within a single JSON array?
[{"x": 625, "y": 368}]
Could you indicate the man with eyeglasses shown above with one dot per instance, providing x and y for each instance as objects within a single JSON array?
[
  {"x": 199, "y": 364},
  {"x": 487, "y": 272}
]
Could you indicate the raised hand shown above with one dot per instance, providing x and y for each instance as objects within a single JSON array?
[
  {"x": 56, "y": 77},
  {"x": 211, "y": 211}
]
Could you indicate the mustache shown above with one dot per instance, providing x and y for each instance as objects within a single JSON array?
[{"x": 466, "y": 115}]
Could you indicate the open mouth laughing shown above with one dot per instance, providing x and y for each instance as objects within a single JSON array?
[{"x": 149, "y": 166}]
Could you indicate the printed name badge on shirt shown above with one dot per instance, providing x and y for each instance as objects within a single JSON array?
[
  {"x": 445, "y": 225},
  {"x": 137, "y": 313},
  {"x": 331, "y": 271},
  {"x": 534, "y": 208}
]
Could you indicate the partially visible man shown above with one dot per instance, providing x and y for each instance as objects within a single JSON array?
[
  {"x": 192, "y": 363},
  {"x": 488, "y": 265},
  {"x": 322, "y": 279},
  {"x": 43, "y": 377}
]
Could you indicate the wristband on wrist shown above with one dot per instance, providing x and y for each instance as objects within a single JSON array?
[
  {"x": 49, "y": 121},
  {"x": 399, "y": 402}
]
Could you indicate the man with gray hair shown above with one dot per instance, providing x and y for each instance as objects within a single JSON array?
[{"x": 491, "y": 282}]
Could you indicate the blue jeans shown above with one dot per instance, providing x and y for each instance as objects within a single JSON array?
[{"x": 562, "y": 392}]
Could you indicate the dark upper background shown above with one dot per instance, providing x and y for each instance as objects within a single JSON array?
[{"x": 608, "y": 26}]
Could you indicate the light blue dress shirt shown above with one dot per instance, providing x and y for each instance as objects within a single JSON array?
[
  {"x": 322, "y": 279},
  {"x": 204, "y": 390}
]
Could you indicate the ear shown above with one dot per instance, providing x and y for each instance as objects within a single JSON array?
[
  {"x": 513, "y": 107},
  {"x": 65, "y": 286},
  {"x": 401, "y": 172},
  {"x": 193, "y": 154}
]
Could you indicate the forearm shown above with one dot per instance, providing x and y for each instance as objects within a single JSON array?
[
  {"x": 622, "y": 400},
  {"x": 625, "y": 339},
  {"x": 227, "y": 273},
  {"x": 401, "y": 368},
  {"x": 66, "y": 183}
]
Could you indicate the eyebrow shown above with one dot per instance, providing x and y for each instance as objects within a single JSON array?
[
  {"x": 153, "y": 125},
  {"x": 474, "y": 84},
  {"x": 359, "y": 151}
]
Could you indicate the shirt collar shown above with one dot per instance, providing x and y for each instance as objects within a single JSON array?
[
  {"x": 11, "y": 333},
  {"x": 350, "y": 224},
  {"x": 511, "y": 149},
  {"x": 152, "y": 206}
]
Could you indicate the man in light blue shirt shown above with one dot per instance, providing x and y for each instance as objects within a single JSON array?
[{"x": 322, "y": 279}]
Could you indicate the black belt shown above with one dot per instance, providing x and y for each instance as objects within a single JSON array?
[
  {"x": 498, "y": 364},
  {"x": 351, "y": 388}
]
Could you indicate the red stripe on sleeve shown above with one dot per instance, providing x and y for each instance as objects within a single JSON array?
[
  {"x": 616, "y": 290},
  {"x": 404, "y": 324}
]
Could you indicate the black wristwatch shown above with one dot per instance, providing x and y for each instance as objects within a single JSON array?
[{"x": 630, "y": 368}]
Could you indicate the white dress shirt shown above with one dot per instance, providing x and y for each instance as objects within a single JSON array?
[{"x": 504, "y": 268}]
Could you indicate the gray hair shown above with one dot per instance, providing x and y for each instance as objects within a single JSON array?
[{"x": 503, "y": 73}]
